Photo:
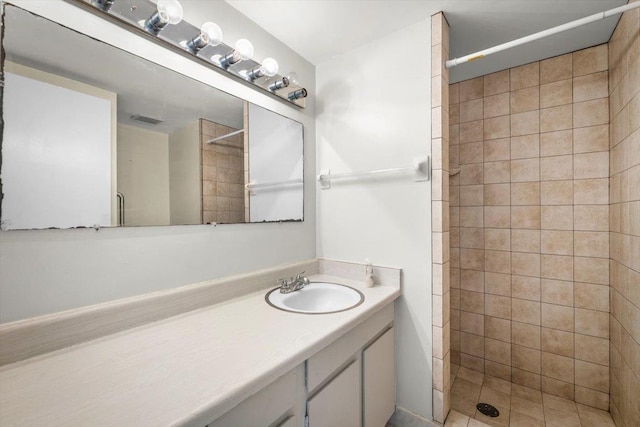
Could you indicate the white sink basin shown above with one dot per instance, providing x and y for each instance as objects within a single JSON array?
[{"x": 316, "y": 298}]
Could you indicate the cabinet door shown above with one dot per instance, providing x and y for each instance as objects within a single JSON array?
[
  {"x": 338, "y": 403},
  {"x": 291, "y": 422},
  {"x": 379, "y": 381},
  {"x": 324, "y": 364},
  {"x": 268, "y": 406}
]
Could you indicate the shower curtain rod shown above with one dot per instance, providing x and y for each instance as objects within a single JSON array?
[{"x": 546, "y": 33}]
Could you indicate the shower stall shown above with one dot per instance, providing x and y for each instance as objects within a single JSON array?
[{"x": 536, "y": 237}]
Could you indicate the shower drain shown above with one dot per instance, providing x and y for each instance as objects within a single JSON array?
[{"x": 488, "y": 410}]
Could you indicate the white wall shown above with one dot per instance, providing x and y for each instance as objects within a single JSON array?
[
  {"x": 275, "y": 140},
  {"x": 52, "y": 270},
  {"x": 185, "y": 176},
  {"x": 143, "y": 175},
  {"x": 373, "y": 112}
]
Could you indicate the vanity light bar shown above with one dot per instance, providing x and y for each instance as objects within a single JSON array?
[{"x": 163, "y": 23}]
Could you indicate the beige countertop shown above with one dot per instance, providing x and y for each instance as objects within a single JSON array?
[{"x": 184, "y": 370}]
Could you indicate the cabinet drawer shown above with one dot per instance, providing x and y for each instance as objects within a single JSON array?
[{"x": 322, "y": 365}]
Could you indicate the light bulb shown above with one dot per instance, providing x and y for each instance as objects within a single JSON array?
[
  {"x": 269, "y": 67},
  {"x": 170, "y": 11},
  {"x": 244, "y": 48},
  {"x": 293, "y": 78},
  {"x": 211, "y": 33},
  {"x": 242, "y": 51},
  {"x": 167, "y": 12}
]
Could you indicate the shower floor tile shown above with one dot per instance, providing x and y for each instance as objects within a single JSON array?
[{"x": 519, "y": 406}]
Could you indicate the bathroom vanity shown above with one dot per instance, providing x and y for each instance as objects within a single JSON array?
[
  {"x": 209, "y": 354},
  {"x": 350, "y": 382},
  {"x": 240, "y": 362}
]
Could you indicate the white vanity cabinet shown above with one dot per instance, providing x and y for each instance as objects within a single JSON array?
[
  {"x": 363, "y": 394},
  {"x": 349, "y": 383},
  {"x": 279, "y": 404}
]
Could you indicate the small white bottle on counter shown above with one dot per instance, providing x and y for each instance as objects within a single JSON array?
[{"x": 368, "y": 274}]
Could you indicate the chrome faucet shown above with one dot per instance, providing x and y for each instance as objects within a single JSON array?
[{"x": 292, "y": 285}]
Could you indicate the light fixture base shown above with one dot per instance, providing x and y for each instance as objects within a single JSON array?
[
  {"x": 278, "y": 84},
  {"x": 155, "y": 24},
  {"x": 196, "y": 44},
  {"x": 105, "y": 5}
]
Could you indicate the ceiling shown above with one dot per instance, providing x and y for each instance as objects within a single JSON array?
[{"x": 321, "y": 29}]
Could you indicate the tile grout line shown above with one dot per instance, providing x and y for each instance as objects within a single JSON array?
[
  {"x": 540, "y": 207},
  {"x": 573, "y": 226}
]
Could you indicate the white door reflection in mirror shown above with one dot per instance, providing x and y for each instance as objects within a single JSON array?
[
  {"x": 56, "y": 161},
  {"x": 143, "y": 175},
  {"x": 275, "y": 157}
]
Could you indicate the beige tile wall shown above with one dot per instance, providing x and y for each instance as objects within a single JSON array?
[
  {"x": 223, "y": 198},
  {"x": 441, "y": 361},
  {"x": 624, "y": 89},
  {"x": 528, "y": 225}
]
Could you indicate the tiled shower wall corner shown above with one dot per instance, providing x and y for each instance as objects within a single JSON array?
[
  {"x": 624, "y": 90},
  {"x": 441, "y": 360},
  {"x": 223, "y": 198},
  {"x": 529, "y": 222}
]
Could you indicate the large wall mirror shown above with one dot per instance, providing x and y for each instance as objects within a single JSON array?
[{"x": 96, "y": 136}]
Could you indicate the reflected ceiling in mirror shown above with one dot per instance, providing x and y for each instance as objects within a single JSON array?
[{"x": 96, "y": 136}]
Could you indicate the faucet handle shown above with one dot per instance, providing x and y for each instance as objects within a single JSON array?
[
  {"x": 299, "y": 275},
  {"x": 282, "y": 283}
]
